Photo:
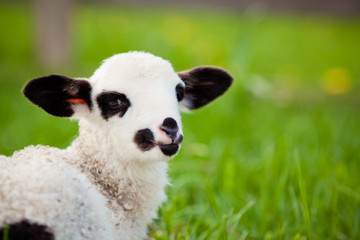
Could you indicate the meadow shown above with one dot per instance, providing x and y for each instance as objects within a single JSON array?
[{"x": 277, "y": 157}]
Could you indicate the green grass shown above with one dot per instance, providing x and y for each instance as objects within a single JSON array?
[
  {"x": 5, "y": 233},
  {"x": 277, "y": 157}
]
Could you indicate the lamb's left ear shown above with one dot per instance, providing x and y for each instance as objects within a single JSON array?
[
  {"x": 59, "y": 95},
  {"x": 204, "y": 84}
]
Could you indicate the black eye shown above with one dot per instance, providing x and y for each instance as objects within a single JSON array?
[
  {"x": 179, "y": 92},
  {"x": 113, "y": 104}
]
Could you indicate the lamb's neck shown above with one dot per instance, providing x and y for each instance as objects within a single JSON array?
[{"x": 128, "y": 184}]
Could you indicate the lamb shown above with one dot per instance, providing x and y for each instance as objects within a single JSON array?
[{"x": 109, "y": 183}]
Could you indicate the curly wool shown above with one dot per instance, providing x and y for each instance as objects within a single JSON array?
[
  {"x": 51, "y": 192},
  {"x": 73, "y": 193}
]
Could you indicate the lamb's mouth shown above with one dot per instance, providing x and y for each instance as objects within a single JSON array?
[
  {"x": 145, "y": 141},
  {"x": 169, "y": 149},
  {"x": 172, "y": 148}
]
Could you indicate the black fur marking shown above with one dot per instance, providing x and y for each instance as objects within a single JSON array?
[
  {"x": 170, "y": 127},
  {"x": 204, "y": 84},
  {"x": 113, "y": 103},
  {"x": 179, "y": 92},
  {"x": 170, "y": 123},
  {"x": 179, "y": 139},
  {"x": 144, "y": 139},
  {"x": 169, "y": 149},
  {"x": 26, "y": 230},
  {"x": 52, "y": 93}
]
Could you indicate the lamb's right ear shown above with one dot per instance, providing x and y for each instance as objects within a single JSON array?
[{"x": 59, "y": 95}]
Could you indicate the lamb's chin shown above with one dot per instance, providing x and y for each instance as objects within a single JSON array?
[{"x": 169, "y": 149}]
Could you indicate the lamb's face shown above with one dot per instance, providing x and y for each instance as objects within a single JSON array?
[
  {"x": 136, "y": 100},
  {"x": 133, "y": 100}
]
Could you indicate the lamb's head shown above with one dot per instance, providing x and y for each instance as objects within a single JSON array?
[{"x": 132, "y": 101}]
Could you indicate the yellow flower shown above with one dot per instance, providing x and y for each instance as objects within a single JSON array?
[{"x": 337, "y": 81}]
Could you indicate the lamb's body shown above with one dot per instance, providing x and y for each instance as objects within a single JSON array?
[
  {"x": 109, "y": 183},
  {"x": 79, "y": 197}
]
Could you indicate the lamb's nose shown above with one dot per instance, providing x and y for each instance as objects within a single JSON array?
[{"x": 170, "y": 127}]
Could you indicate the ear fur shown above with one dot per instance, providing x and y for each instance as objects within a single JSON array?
[
  {"x": 204, "y": 84},
  {"x": 58, "y": 95}
]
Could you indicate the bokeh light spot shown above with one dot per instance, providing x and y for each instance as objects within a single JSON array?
[{"x": 337, "y": 81}]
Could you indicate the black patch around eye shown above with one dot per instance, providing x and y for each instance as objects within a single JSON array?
[
  {"x": 179, "y": 92},
  {"x": 113, "y": 104}
]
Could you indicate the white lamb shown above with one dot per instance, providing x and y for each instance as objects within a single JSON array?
[{"x": 109, "y": 183}]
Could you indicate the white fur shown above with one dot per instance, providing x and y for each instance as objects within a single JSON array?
[{"x": 102, "y": 186}]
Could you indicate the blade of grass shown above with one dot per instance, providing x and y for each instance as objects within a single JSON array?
[
  {"x": 303, "y": 196},
  {"x": 5, "y": 232}
]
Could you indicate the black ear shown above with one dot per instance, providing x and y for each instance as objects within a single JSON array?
[
  {"x": 203, "y": 85},
  {"x": 58, "y": 94}
]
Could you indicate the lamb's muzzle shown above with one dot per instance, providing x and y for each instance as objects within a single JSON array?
[{"x": 145, "y": 140}]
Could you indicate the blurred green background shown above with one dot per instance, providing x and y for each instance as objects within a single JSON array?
[{"x": 277, "y": 157}]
